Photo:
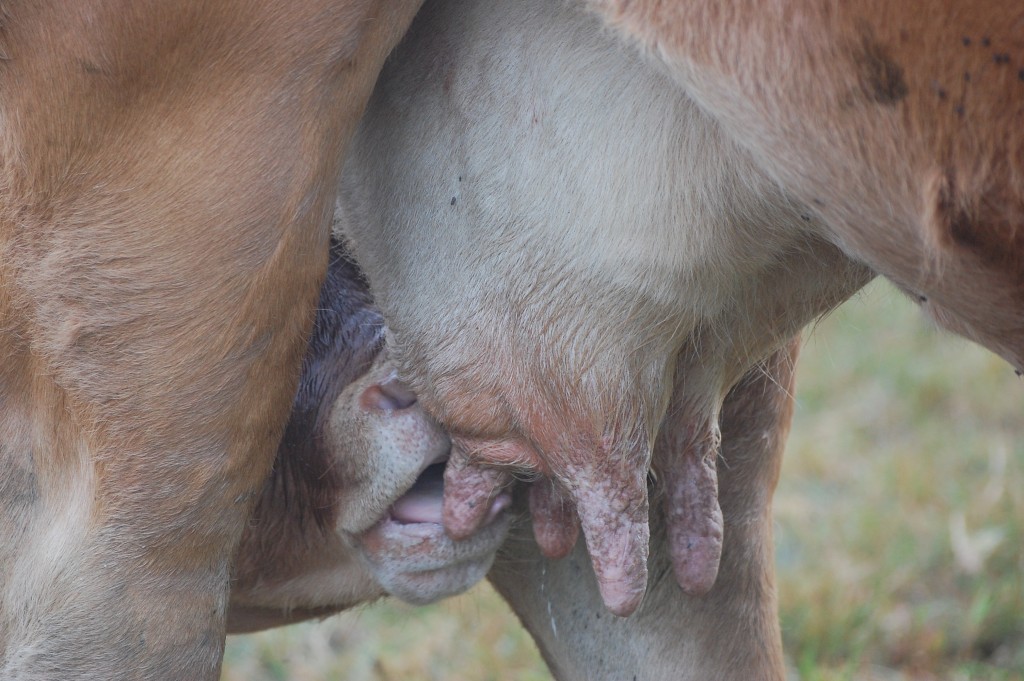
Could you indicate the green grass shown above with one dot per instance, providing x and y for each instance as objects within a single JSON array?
[
  {"x": 473, "y": 637},
  {"x": 899, "y": 520},
  {"x": 900, "y": 511}
]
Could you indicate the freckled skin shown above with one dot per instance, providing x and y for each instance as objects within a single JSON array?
[
  {"x": 469, "y": 492},
  {"x": 614, "y": 521},
  {"x": 689, "y": 457}
]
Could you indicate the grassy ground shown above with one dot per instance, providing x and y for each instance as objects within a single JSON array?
[{"x": 899, "y": 517}]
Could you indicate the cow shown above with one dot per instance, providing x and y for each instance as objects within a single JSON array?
[
  {"x": 352, "y": 511},
  {"x": 168, "y": 176},
  {"x": 562, "y": 244}
]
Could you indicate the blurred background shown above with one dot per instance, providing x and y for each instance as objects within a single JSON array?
[{"x": 899, "y": 525}]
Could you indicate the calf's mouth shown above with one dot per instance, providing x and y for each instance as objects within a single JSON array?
[{"x": 423, "y": 503}]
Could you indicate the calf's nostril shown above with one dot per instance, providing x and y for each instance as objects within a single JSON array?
[{"x": 389, "y": 395}]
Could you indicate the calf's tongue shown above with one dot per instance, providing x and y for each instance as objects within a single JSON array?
[{"x": 424, "y": 502}]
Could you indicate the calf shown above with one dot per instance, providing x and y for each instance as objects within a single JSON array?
[
  {"x": 168, "y": 173},
  {"x": 562, "y": 242}
]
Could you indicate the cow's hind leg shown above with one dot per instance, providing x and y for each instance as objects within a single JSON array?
[
  {"x": 150, "y": 381},
  {"x": 166, "y": 189}
]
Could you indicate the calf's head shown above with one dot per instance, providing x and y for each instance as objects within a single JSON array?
[{"x": 352, "y": 510}]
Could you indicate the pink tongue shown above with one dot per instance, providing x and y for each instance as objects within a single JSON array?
[
  {"x": 418, "y": 506},
  {"x": 423, "y": 503}
]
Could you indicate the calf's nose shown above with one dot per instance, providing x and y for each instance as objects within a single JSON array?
[{"x": 388, "y": 395}]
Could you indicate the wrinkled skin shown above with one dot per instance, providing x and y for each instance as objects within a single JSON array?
[
  {"x": 562, "y": 243},
  {"x": 352, "y": 510},
  {"x": 731, "y": 633}
]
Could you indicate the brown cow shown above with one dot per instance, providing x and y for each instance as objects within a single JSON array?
[
  {"x": 560, "y": 241},
  {"x": 168, "y": 174}
]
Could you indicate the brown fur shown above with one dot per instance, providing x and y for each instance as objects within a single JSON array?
[
  {"x": 899, "y": 123},
  {"x": 167, "y": 177}
]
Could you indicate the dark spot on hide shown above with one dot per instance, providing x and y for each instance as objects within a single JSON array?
[
  {"x": 817, "y": 202},
  {"x": 985, "y": 42},
  {"x": 805, "y": 218},
  {"x": 941, "y": 93},
  {"x": 453, "y": 201},
  {"x": 967, "y": 41},
  {"x": 922, "y": 299},
  {"x": 1020, "y": 374},
  {"x": 967, "y": 76},
  {"x": 1020, "y": 75},
  {"x": 881, "y": 77},
  {"x": 955, "y": 221},
  {"x": 90, "y": 68},
  {"x": 984, "y": 225},
  {"x": 1001, "y": 58},
  {"x": 959, "y": 109}
]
